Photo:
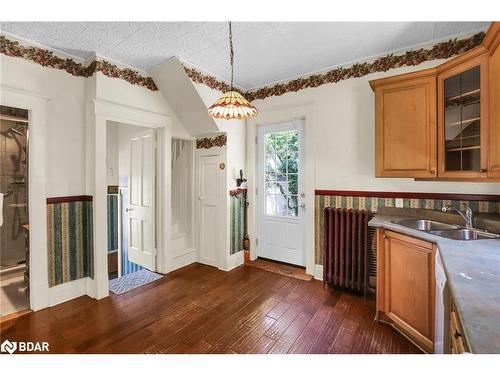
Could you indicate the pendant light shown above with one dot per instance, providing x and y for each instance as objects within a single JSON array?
[{"x": 232, "y": 105}]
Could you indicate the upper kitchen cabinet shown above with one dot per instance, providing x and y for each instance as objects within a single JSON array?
[
  {"x": 443, "y": 122},
  {"x": 405, "y": 125},
  {"x": 463, "y": 119},
  {"x": 492, "y": 40}
]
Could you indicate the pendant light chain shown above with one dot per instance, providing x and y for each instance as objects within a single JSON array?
[
  {"x": 231, "y": 52},
  {"x": 232, "y": 105}
]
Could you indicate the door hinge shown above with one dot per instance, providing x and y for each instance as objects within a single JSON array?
[
  {"x": 256, "y": 242},
  {"x": 256, "y": 191},
  {"x": 256, "y": 139}
]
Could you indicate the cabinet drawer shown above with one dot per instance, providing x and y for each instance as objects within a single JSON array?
[{"x": 457, "y": 340}]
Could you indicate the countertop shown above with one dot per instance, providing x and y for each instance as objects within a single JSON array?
[{"x": 473, "y": 272}]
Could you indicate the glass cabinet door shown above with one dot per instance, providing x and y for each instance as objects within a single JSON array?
[
  {"x": 462, "y": 140},
  {"x": 462, "y": 119}
]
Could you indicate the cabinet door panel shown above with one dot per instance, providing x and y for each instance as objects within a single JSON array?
[
  {"x": 409, "y": 287},
  {"x": 406, "y": 129},
  {"x": 494, "y": 146}
]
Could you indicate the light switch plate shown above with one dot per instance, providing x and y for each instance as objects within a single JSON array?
[{"x": 399, "y": 202}]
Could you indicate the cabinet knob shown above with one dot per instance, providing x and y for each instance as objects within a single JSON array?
[
  {"x": 482, "y": 170},
  {"x": 433, "y": 171},
  {"x": 457, "y": 334}
]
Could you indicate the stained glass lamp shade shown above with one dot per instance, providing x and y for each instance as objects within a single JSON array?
[{"x": 232, "y": 105}]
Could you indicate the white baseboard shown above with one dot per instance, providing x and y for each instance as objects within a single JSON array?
[
  {"x": 98, "y": 287},
  {"x": 39, "y": 296},
  {"x": 64, "y": 292},
  {"x": 183, "y": 260},
  {"x": 318, "y": 272},
  {"x": 234, "y": 261}
]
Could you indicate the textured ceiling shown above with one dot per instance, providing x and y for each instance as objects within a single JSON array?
[{"x": 265, "y": 52}]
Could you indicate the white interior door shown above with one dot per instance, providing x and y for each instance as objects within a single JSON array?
[
  {"x": 280, "y": 192},
  {"x": 209, "y": 201},
  {"x": 141, "y": 205}
]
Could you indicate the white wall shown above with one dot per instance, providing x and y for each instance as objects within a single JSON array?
[
  {"x": 235, "y": 156},
  {"x": 236, "y": 136},
  {"x": 340, "y": 147},
  {"x": 65, "y": 146},
  {"x": 112, "y": 154},
  {"x": 70, "y": 139},
  {"x": 343, "y": 134}
]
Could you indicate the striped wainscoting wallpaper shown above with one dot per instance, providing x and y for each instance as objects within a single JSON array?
[
  {"x": 237, "y": 218},
  {"x": 126, "y": 266},
  {"x": 340, "y": 199},
  {"x": 112, "y": 222},
  {"x": 69, "y": 237}
]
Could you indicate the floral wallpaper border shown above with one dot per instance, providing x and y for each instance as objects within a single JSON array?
[
  {"x": 442, "y": 50},
  {"x": 48, "y": 58},
  {"x": 206, "y": 79},
  {"x": 237, "y": 191},
  {"x": 209, "y": 142}
]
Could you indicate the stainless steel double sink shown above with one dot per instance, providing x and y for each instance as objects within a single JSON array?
[{"x": 451, "y": 231}]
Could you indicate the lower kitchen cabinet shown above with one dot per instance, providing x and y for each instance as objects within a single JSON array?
[{"x": 406, "y": 286}]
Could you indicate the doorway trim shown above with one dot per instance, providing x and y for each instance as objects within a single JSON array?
[
  {"x": 271, "y": 117},
  {"x": 36, "y": 104},
  {"x": 99, "y": 113}
]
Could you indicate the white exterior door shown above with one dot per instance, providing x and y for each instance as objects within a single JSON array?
[
  {"x": 209, "y": 201},
  {"x": 141, "y": 205},
  {"x": 280, "y": 192}
]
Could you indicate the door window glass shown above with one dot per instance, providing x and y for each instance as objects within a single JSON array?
[{"x": 281, "y": 173}]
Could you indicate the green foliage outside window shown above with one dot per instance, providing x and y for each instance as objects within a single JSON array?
[{"x": 282, "y": 163}]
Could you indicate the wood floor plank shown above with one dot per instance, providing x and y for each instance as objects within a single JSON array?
[
  {"x": 294, "y": 330},
  {"x": 246, "y": 341},
  {"x": 327, "y": 336},
  {"x": 262, "y": 346},
  {"x": 278, "y": 310},
  {"x": 200, "y": 309},
  {"x": 201, "y": 347},
  {"x": 279, "y": 327},
  {"x": 308, "y": 336}
]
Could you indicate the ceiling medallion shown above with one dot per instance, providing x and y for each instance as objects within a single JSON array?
[{"x": 232, "y": 105}]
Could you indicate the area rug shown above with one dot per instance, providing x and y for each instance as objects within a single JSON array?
[{"x": 132, "y": 281}]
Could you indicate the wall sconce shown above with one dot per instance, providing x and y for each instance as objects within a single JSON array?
[{"x": 240, "y": 180}]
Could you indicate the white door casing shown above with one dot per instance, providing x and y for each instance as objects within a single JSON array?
[
  {"x": 208, "y": 208},
  {"x": 280, "y": 187},
  {"x": 141, "y": 205}
]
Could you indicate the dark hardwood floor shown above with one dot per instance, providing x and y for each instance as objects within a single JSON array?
[{"x": 200, "y": 309}]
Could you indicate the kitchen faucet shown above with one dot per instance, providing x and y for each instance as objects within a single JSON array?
[{"x": 468, "y": 216}]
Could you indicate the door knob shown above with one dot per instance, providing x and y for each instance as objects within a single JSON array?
[{"x": 302, "y": 205}]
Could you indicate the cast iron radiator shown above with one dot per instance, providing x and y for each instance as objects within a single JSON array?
[{"x": 346, "y": 248}]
